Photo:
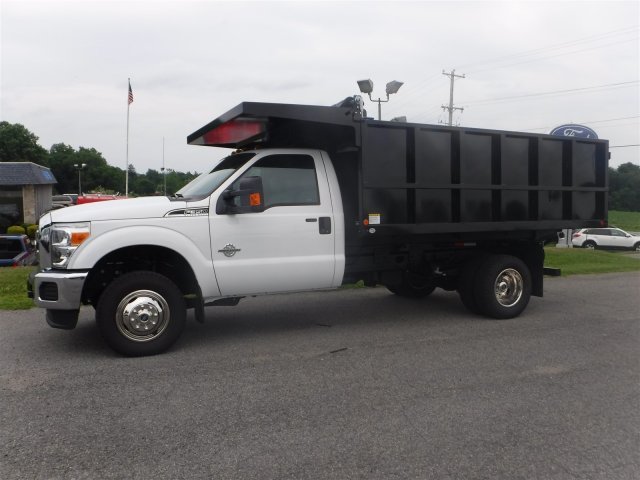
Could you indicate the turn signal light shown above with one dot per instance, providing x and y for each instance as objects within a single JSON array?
[
  {"x": 255, "y": 200},
  {"x": 78, "y": 237}
]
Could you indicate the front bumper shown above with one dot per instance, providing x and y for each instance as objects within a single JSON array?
[{"x": 56, "y": 289}]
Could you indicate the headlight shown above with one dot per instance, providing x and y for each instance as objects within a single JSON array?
[
  {"x": 65, "y": 239},
  {"x": 43, "y": 237}
]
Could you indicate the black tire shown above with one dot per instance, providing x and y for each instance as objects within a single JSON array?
[
  {"x": 412, "y": 286},
  {"x": 636, "y": 247},
  {"x": 589, "y": 244},
  {"x": 156, "y": 313},
  {"x": 467, "y": 282},
  {"x": 502, "y": 286}
]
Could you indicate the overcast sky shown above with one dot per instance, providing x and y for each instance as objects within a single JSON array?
[{"x": 65, "y": 67}]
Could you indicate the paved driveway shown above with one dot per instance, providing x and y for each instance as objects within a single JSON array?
[{"x": 335, "y": 385}]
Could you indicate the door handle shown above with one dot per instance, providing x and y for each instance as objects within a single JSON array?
[
  {"x": 325, "y": 225},
  {"x": 311, "y": 220}
]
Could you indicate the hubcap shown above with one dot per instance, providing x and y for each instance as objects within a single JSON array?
[
  {"x": 508, "y": 287},
  {"x": 142, "y": 315}
]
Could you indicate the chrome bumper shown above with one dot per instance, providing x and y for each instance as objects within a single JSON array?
[{"x": 58, "y": 290}]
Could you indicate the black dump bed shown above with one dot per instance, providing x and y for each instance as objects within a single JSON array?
[{"x": 430, "y": 179}]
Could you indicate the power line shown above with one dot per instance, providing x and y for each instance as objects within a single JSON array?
[
  {"x": 553, "y": 56},
  {"x": 624, "y": 146},
  {"x": 527, "y": 53},
  {"x": 605, "y": 86},
  {"x": 415, "y": 90}
]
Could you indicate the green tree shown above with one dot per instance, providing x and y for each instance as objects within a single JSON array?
[
  {"x": 624, "y": 188},
  {"x": 143, "y": 187},
  {"x": 17, "y": 144},
  {"x": 177, "y": 180},
  {"x": 61, "y": 160},
  {"x": 96, "y": 172}
]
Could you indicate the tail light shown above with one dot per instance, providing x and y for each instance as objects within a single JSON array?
[{"x": 576, "y": 235}]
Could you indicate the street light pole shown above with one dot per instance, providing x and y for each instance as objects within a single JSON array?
[
  {"x": 79, "y": 166},
  {"x": 366, "y": 86}
]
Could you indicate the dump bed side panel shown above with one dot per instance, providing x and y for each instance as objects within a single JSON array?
[{"x": 428, "y": 179}]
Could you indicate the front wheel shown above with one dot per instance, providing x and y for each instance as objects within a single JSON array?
[
  {"x": 503, "y": 286},
  {"x": 141, "y": 313}
]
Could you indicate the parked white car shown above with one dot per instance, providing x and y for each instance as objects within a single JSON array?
[{"x": 612, "y": 238}]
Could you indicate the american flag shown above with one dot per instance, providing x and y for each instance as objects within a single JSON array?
[{"x": 130, "y": 94}]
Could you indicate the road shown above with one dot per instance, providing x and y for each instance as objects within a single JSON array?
[{"x": 336, "y": 385}]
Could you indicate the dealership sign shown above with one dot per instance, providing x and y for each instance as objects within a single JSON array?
[{"x": 573, "y": 130}]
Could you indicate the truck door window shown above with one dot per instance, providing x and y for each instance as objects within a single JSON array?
[{"x": 287, "y": 180}]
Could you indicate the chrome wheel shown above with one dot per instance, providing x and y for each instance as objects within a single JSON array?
[
  {"x": 508, "y": 287},
  {"x": 142, "y": 315}
]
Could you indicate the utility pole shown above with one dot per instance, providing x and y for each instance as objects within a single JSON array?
[{"x": 452, "y": 76}]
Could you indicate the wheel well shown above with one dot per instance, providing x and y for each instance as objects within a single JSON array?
[{"x": 152, "y": 258}]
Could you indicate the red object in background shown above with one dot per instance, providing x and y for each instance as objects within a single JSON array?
[{"x": 90, "y": 198}]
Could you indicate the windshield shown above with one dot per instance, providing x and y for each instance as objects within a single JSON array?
[{"x": 206, "y": 183}]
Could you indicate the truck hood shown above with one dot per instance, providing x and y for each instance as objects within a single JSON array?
[{"x": 131, "y": 208}]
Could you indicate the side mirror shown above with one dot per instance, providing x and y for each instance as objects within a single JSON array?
[{"x": 249, "y": 192}]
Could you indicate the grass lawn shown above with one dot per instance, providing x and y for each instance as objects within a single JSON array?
[
  {"x": 629, "y": 221},
  {"x": 13, "y": 288},
  {"x": 574, "y": 261}
]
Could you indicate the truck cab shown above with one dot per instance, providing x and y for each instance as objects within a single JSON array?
[{"x": 275, "y": 221}]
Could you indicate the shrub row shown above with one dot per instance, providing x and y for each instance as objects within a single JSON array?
[{"x": 30, "y": 230}]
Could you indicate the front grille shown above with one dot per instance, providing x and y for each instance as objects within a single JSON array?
[{"x": 48, "y": 291}]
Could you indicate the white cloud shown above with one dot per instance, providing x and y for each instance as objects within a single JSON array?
[{"x": 65, "y": 66}]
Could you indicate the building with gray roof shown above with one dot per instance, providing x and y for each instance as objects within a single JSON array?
[{"x": 25, "y": 192}]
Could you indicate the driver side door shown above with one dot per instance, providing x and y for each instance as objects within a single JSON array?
[{"x": 287, "y": 247}]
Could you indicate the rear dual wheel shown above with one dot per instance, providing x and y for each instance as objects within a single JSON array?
[{"x": 498, "y": 286}]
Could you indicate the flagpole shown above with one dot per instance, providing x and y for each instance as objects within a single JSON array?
[
  {"x": 164, "y": 174},
  {"x": 126, "y": 173}
]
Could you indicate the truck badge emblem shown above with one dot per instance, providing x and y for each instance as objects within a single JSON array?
[{"x": 229, "y": 250}]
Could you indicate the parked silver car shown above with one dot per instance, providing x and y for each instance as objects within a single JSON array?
[{"x": 610, "y": 238}]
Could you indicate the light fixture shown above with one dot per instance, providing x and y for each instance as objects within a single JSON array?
[
  {"x": 366, "y": 86},
  {"x": 393, "y": 87}
]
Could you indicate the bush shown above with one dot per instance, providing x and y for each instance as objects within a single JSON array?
[
  {"x": 16, "y": 230},
  {"x": 31, "y": 231}
]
